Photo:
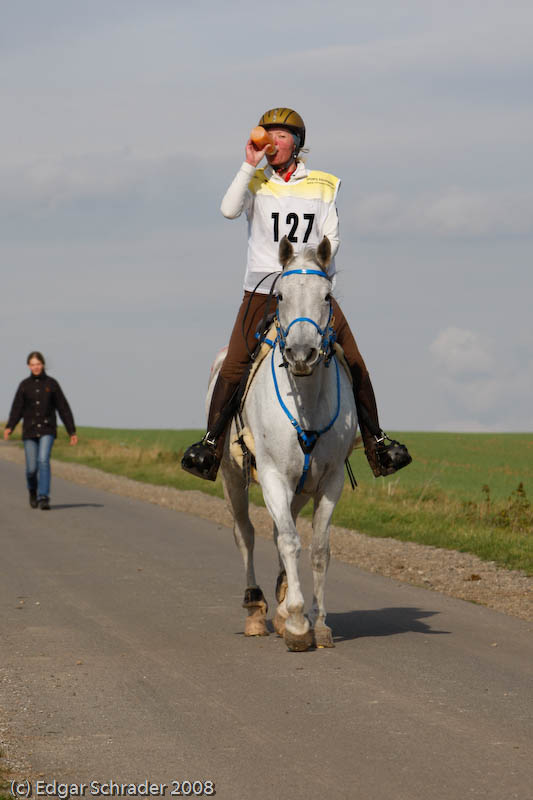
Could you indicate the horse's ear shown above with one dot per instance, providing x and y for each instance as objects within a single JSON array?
[
  {"x": 286, "y": 252},
  {"x": 323, "y": 253}
]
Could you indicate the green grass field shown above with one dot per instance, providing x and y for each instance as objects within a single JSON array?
[{"x": 467, "y": 492}]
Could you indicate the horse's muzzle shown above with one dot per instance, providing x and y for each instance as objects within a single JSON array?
[
  {"x": 302, "y": 361},
  {"x": 300, "y": 370}
]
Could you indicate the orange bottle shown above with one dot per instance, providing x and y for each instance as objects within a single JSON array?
[{"x": 261, "y": 137}]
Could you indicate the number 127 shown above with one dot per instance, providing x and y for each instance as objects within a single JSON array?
[{"x": 294, "y": 221}]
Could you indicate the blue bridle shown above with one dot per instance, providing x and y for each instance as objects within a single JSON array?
[
  {"x": 306, "y": 438},
  {"x": 327, "y": 333}
]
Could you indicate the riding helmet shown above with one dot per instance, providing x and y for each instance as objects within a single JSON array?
[{"x": 284, "y": 118}]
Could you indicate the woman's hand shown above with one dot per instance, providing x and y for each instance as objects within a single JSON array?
[
  {"x": 73, "y": 440},
  {"x": 7, "y": 433},
  {"x": 254, "y": 156}
]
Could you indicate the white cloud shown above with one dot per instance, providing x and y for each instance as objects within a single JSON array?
[
  {"x": 431, "y": 50},
  {"x": 462, "y": 352},
  {"x": 102, "y": 196},
  {"x": 123, "y": 124},
  {"x": 452, "y": 212},
  {"x": 487, "y": 384}
]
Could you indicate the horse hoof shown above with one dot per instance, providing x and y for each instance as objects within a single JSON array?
[
  {"x": 279, "y": 624},
  {"x": 298, "y": 643},
  {"x": 255, "y": 627},
  {"x": 323, "y": 637},
  {"x": 254, "y": 601}
]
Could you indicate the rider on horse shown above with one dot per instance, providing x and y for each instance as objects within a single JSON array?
[{"x": 283, "y": 198}]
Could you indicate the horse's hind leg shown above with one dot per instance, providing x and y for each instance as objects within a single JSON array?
[{"x": 244, "y": 535}]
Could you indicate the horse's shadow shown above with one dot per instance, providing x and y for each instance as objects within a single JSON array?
[
  {"x": 76, "y": 505},
  {"x": 380, "y": 622}
]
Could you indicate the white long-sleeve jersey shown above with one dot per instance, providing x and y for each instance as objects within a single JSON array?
[{"x": 302, "y": 208}]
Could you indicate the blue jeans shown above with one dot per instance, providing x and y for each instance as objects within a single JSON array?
[{"x": 38, "y": 464}]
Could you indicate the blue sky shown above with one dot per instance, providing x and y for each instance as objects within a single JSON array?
[{"x": 123, "y": 123}]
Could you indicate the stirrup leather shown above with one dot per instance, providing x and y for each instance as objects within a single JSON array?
[{"x": 201, "y": 459}]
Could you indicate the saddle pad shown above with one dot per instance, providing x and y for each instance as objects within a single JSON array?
[{"x": 237, "y": 454}]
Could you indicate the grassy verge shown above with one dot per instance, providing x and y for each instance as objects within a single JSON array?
[{"x": 466, "y": 492}]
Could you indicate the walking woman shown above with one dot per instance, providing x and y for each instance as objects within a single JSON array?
[{"x": 36, "y": 401}]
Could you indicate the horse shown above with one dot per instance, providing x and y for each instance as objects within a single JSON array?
[{"x": 300, "y": 412}]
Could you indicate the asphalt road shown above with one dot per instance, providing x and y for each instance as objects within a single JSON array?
[{"x": 123, "y": 659}]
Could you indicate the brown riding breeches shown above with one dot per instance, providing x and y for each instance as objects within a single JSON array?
[{"x": 238, "y": 357}]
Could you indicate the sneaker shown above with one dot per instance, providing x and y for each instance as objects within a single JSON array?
[
  {"x": 44, "y": 504},
  {"x": 33, "y": 499}
]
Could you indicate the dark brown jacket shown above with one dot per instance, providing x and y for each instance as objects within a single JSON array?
[{"x": 37, "y": 400}]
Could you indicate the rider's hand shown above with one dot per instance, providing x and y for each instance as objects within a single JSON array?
[
  {"x": 254, "y": 156},
  {"x": 7, "y": 432},
  {"x": 74, "y": 439}
]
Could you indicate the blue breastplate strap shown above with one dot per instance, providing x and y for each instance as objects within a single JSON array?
[{"x": 306, "y": 438}]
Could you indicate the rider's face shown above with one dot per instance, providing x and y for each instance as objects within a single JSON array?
[{"x": 284, "y": 141}]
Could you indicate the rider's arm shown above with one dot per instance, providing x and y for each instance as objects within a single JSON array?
[{"x": 233, "y": 201}]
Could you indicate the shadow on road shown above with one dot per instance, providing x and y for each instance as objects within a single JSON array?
[
  {"x": 76, "y": 505},
  {"x": 380, "y": 622}
]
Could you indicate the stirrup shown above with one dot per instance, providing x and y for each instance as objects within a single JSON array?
[{"x": 201, "y": 459}]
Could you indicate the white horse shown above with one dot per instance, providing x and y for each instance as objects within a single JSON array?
[{"x": 299, "y": 392}]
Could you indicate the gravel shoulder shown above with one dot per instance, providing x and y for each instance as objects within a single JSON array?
[{"x": 459, "y": 575}]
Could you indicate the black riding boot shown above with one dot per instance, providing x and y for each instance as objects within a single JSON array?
[
  {"x": 384, "y": 457},
  {"x": 367, "y": 415},
  {"x": 203, "y": 458}
]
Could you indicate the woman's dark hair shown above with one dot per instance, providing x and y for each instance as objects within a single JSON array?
[{"x": 37, "y": 355}]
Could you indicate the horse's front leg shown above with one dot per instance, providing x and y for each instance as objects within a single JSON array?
[
  {"x": 243, "y": 531},
  {"x": 298, "y": 502},
  {"x": 320, "y": 553},
  {"x": 298, "y": 634}
]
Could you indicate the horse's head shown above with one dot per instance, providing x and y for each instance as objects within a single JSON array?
[{"x": 304, "y": 306}]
